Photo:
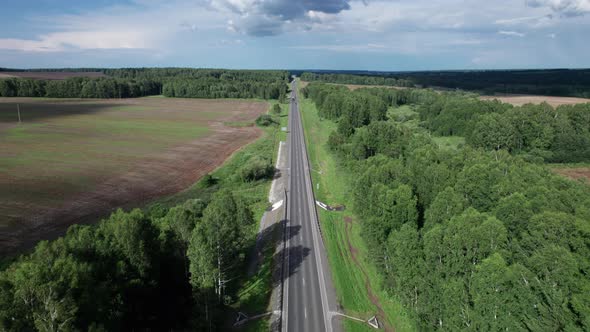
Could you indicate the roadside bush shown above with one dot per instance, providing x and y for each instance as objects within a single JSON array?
[
  {"x": 265, "y": 120},
  {"x": 257, "y": 168},
  {"x": 208, "y": 181},
  {"x": 276, "y": 109}
]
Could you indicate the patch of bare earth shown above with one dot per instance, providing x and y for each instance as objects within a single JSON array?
[
  {"x": 140, "y": 178},
  {"x": 576, "y": 173},
  {"x": 519, "y": 100},
  {"x": 372, "y": 297}
]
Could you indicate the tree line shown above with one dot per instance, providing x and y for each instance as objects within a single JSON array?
[
  {"x": 79, "y": 87},
  {"x": 171, "y": 82},
  {"x": 356, "y": 79},
  {"x": 467, "y": 239},
  {"x": 551, "y": 82},
  {"x": 132, "y": 271}
]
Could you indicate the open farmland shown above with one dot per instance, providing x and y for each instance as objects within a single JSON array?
[
  {"x": 73, "y": 161},
  {"x": 519, "y": 100}
]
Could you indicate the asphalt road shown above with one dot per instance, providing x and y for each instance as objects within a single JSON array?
[{"x": 308, "y": 290}]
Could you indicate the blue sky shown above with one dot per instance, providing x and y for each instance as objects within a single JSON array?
[{"x": 296, "y": 34}]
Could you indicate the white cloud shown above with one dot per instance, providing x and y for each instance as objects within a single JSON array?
[
  {"x": 61, "y": 41},
  {"x": 381, "y": 28},
  {"x": 511, "y": 33},
  {"x": 117, "y": 27}
]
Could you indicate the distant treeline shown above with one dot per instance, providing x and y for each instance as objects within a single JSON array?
[
  {"x": 78, "y": 87},
  {"x": 468, "y": 239},
  {"x": 558, "y": 82},
  {"x": 356, "y": 79},
  {"x": 171, "y": 82}
]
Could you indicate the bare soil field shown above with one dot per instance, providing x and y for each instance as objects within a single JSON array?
[
  {"x": 74, "y": 161},
  {"x": 519, "y": 100},
  {"x": 575, "y": 173},
  {"x": 41, "y": 75}
]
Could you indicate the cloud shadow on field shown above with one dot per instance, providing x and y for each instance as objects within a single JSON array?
[{"x": 40, "y": 111}]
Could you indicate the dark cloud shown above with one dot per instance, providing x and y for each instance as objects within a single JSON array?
[
  {"x": 568, "y": 8},
  {"x": 290, "y": 9},
  {"x": 266, "y": 18},
  {"x": 261, "y": 26}
]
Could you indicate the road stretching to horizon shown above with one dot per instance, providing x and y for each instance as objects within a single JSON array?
[{"x": 308, "y": 291}]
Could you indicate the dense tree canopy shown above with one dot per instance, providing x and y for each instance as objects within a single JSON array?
[
  {"x": 171, "y": 82},
  {"x": 355, "y": 79},
  {"x": 472, "y": 239},
  {"x": 551, "y": 82},
  {"x": 559, "y": 134},
  {"x": 132, "y": 271}
]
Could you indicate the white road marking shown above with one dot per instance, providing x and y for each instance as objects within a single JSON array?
[{"x": 305, "y": 312}]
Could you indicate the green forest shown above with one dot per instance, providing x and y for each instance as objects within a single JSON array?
[
  {"x": 355, "y": 79},
  {"x": 177, "y": 264},
  {"x": 551, "y": 82},
  {"x": 134, "y": 270},
  {"x": 537, "y": 133},
  {"x": 171, "y": 82},
  {"x": 482, "y": 236}
]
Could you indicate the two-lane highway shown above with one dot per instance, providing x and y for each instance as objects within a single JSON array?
[{"x": 306, "y": 305}]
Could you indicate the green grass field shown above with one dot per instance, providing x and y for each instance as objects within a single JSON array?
[
  {"x": 355, "y": 279},
  {"x": 402, "y": 113},
  {"x": 449, "y": 142}
]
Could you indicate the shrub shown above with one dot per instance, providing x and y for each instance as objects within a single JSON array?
[
  {"x": 265, "y": 120},
  {"x": 255, "y": 169},
  {"x": 276, "y": 109}
]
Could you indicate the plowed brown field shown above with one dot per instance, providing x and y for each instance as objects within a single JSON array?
[{"x": 74, "y": 161}]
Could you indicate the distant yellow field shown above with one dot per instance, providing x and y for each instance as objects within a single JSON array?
[{"x": 519, "y": 100}]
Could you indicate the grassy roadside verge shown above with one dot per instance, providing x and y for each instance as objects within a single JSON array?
[
  {"x": 253, "y": 293},
  {"x": 356, "y": 281}
]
